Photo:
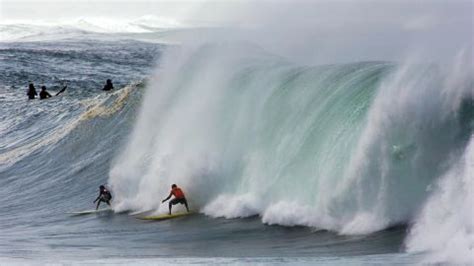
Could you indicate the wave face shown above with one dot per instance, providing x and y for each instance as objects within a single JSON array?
[
  {"x": 353, "y": 148},
  {"x": 56, "y": 152},
  {"x": 84, "y": 65}
]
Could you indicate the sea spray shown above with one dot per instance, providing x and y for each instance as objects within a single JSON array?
[
  {"x": 350, "y": 147},
  {"x": 410, "y": 135},
  {"x": 444, "y": 229}
]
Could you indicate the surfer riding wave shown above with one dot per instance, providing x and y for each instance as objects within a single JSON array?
[
  {"x": 178, "y": 197},
  {"x": 104, "y": 196}
]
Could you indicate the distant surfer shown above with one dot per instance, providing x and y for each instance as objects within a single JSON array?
[
  {"x": 44, "y": 94},
  {"x": 108, "y": 85},
  {"x": 104, "y": 195},
  {"x": 178, "y": 197},
  {"x": 31, "y": 91}
]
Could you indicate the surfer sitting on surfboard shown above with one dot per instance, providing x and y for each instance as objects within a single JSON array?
[
  {"x": 104, "y": 195},
  {"x": 178, "y": 197}
]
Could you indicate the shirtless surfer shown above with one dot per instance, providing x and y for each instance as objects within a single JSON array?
[{"x": 178, "y": 197}]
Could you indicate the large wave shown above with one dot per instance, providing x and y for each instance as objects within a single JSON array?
[{"x": 353, "y": 148}]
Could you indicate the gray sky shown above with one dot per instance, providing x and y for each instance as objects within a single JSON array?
[
  {"x": 31, "y": 10},
  {"x": 310, "y": 28},
  {"x": 418, "y": 13}
]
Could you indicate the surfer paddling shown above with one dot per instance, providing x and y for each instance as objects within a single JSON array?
[
  {"x": 104, "y": 196},
  {"x": 178, "y": 197}
]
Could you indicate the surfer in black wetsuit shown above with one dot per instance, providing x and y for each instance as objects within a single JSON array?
[
  {"x": 108, "y": 85},
  {"x": 44, "y": 94},
  {"x": 31, "y": 91},
  {"x": 104, "y": 195}
]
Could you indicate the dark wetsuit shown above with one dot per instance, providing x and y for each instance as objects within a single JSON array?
[
  {"x": 104, "y": 196},
  {"x": 44, "y": 94},
  {"x": 31, "y": 92},
  {"x": 108, "y": 86}
]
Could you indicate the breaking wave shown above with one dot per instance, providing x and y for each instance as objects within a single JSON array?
[{"x": 354, "y": 148}]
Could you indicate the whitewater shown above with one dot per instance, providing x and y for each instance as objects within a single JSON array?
[
  {"x": 285, "y": 161},
  {"x": 352, "y": 148}
]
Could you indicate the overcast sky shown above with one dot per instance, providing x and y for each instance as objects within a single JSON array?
[
  {"x": 20, "y": 9},
  {"x": 440, "y": 27},
  {"x": 416, "y": 11}
]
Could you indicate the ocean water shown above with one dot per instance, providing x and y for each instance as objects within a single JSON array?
[{"x": 336, "y": 164}]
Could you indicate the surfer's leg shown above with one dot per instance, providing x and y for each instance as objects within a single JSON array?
[
  {"x": 174, "y": 202},
  {"x": 169, "y": 206},
  {"x": 186, "y": 204},
  {"x": 98, "y": 203}
]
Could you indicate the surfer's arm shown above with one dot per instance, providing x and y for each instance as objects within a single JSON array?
[
  {"x": 98, "y": 197},
  {"x": 169, "y": 196}
]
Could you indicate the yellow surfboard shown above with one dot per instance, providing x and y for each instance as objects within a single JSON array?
[{"x": 164, "y": 216}]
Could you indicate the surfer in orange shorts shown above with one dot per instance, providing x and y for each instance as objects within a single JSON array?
[{"x": 178, "y": 197}]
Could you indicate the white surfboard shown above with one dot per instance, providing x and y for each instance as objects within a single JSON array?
[{"x": 89, "y": 211}]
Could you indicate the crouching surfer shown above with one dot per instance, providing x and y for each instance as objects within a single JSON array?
[
  {"x": 178, "y": 197},
  {"x": 104, "y": 196}
]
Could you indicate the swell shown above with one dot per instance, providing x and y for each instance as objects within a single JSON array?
[
  {"x": 65, "y": 157},
  {"x": 59, "y": 149},
  {"x": 83, "y": 64}
]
